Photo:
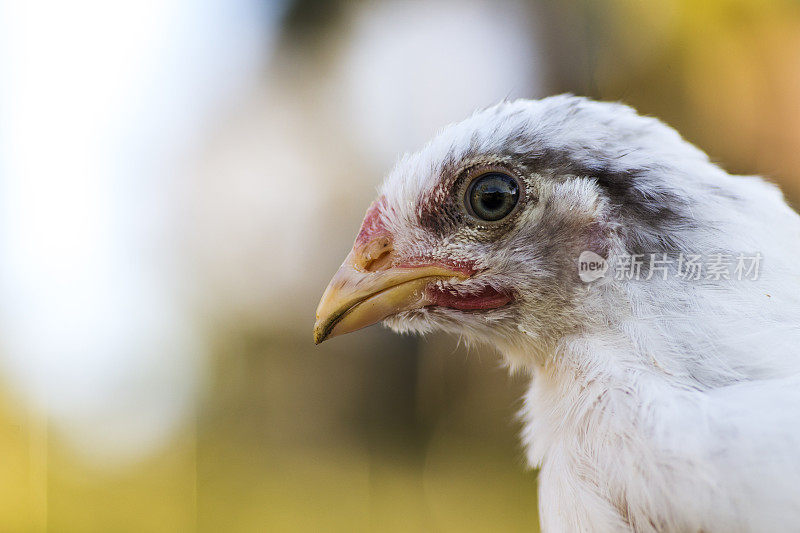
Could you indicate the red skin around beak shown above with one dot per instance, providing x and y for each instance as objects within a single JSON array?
[{"x": 371, "y": 285}]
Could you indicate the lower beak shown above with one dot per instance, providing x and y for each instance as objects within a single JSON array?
[{"x": 357, "y": 298}]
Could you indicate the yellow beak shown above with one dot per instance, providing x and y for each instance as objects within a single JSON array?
[{"x": 359, "y": 296}]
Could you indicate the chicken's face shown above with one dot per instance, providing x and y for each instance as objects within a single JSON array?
[{"x": 479, "y": 233}]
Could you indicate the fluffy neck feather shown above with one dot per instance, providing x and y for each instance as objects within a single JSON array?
[{"x": 610, "y": 410}]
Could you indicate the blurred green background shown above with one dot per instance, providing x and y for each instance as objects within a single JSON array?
[{"x": 178, "y": 181}]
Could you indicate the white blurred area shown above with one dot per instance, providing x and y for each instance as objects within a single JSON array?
[
  {"x": 168, "y": 165},
  {"x": 410, "y": 68},
  {"x": 101, "y": 103}
]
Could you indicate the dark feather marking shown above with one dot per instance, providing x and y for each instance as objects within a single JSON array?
[{"x": 646, "y": 210}]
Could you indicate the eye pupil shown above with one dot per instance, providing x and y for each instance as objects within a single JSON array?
[{"x": 493, "y": 196}]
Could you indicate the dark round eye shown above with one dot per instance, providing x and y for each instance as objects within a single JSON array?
[{"x": 493, "y": 196}]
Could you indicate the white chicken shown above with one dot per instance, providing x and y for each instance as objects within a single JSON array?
[{"x": 652, "y": 298}]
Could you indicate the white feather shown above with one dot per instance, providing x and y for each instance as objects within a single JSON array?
[{"x": 667, "y": 405}]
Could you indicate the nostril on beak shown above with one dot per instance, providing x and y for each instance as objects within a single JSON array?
[{"x": 375, "y": 255}]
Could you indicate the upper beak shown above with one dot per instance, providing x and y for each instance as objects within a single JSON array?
[{"x": 367, "y": 288}]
